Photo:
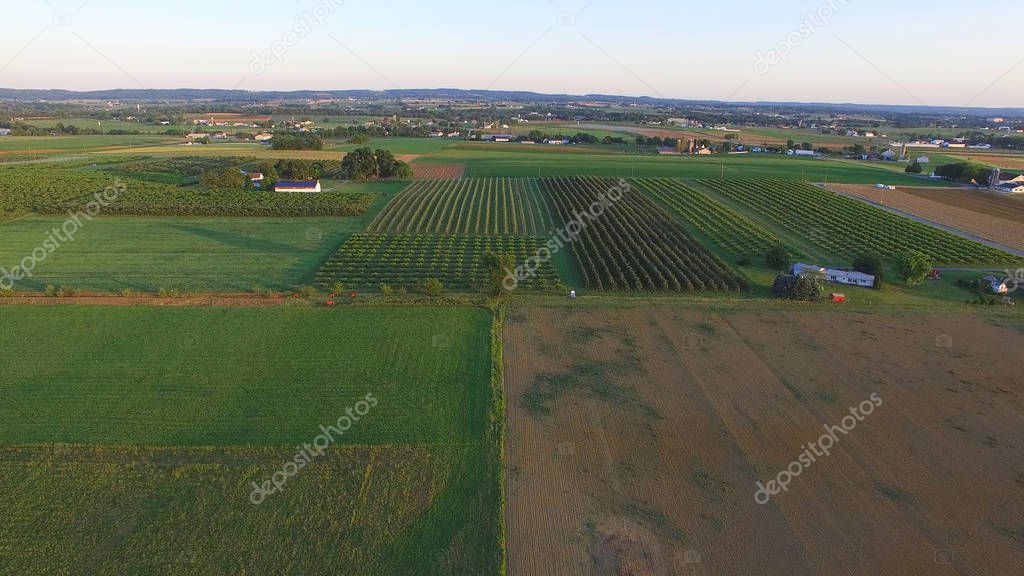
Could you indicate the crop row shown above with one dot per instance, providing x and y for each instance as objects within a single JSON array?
[
  {"x": 724, "y": 226},
  {"x": 478, "y": 206},
  {"x": 848, "y": 227},
  {"x": 623, "y": 241},
  {"x": 407, "y": 260}
]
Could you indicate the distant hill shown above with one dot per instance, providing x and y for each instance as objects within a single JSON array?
[{"x": 226, "y": 96}]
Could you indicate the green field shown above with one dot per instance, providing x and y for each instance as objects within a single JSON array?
[
  {"x": 121, "y": 426},
  {"x": 147, "y": 254},
  {"x": 406, "y": 261},
  {"x": 506, "y": 162},
  {"x": 847, "y": 228},
  {"x": 485, "y": 206},
  {"x": 729, "y": 229},
  {"x": 44, "y": 144}
]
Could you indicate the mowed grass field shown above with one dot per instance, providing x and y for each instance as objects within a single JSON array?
[
  {"x": 204, "y": 254},
  {"x": 130, "y": 439},
  {"x": 506, "y": 161},
  {"x": 27, "y": 144}
]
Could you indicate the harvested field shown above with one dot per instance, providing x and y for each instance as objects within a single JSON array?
[
  {"x": 437, "y": 171},
  {"x": 637, "y": 437},
  {"x": 991, "y": 216}
]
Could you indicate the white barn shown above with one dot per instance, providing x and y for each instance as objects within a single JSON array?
[
  {"x": 307, "y": 186},
  {"x": 834, "y": 275}
]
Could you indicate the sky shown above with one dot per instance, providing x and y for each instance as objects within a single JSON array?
[{"x": 862, "y": 51}]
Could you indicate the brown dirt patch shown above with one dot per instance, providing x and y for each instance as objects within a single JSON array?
[
  {"x": 636, "y": 438},
  {"x": 992, "y": 216},
  {"x": 438, "y": 171}
]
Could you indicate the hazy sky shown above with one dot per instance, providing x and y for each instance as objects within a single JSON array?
[{"x": 870, "y": 51}]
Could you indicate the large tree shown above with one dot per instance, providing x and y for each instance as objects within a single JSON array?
[
  {"x": 914, "y": 267},
  {"x": 870, "y": 264},
  {"x": 366, "y": 164},
  {"x": 230, "y": 177},
  {"x": 359, "y": 164},
  {"x": 498, "y": 267},
  {"x": 777, "y": 257}
]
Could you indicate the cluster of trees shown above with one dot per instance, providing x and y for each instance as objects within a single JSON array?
[
  {"x": 368, "y": 164},
  {"x": 362, "y": 132},
  {"x": 578, "y": 138},
  {"x": 790, "y": 287},
  {"x": 965, "y": 172},
  {"x": 297, "y": 141},
  {"x": 229, "y": 178},
  {"x": 233, "y": 177}
]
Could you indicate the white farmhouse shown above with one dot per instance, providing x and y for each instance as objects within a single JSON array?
[{"x": 834, "y": 275}]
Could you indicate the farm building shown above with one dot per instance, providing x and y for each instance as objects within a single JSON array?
[
  {"x": 1011, "y": 187},
  {"x": 834, "y": 275},
  {"x": 996, "y": 285},
  {"x": 298, "y": 186},
  {"x": 263, "y": 137}
]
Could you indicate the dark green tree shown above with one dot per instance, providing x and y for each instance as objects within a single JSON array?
[
  {"x": 498, "y": 267},
  {"x": 913, "y": 267},
  {"x": 777, "y": 257},
  {"x": 870, "y": 264},
  {"x": 230, "y": 177}
]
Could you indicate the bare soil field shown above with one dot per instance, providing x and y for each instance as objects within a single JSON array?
[
  {"x": 992, "y": 216},
  {"x": 636, "y": 439},
  {"x": 1011, "y": 161},
  {"x": 437, "y": 171}
]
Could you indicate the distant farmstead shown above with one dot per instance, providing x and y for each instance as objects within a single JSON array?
[
  {"x": 834, "y": 275},
  {"x": 298, "y": 186}
]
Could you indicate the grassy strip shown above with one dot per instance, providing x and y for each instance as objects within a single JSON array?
[{"x": 498, "y": 427}]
